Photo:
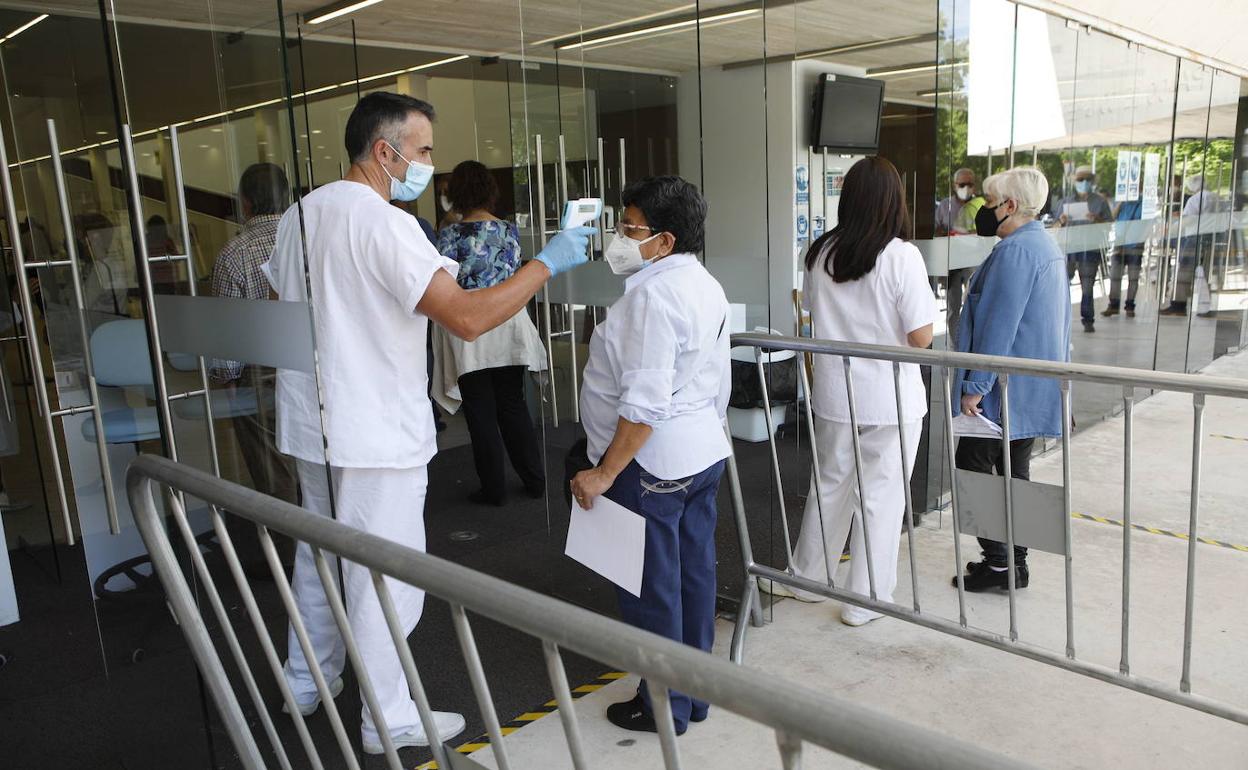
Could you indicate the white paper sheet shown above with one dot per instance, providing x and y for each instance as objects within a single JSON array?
[
  {"x": 610, "y": 540},
  {"x": 977, "y": 425},
  {"x": 1076, "y": 211}
]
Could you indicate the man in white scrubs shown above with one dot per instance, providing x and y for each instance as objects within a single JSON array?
[{"x": 376, "y": 280}]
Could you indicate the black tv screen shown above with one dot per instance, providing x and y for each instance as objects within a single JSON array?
[{"x": 847, "y": 114}]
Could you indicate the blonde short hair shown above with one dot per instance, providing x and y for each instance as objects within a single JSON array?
[{"x": 1025, "y": 185}]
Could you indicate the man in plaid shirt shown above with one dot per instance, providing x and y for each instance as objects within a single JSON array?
[{"x": 263, "y": 192}]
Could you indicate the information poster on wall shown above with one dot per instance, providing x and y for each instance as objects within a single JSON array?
[
  {"x": 833, "y": 180},
  {"x": 1127, "y": 187},
  {"x": 1150, "y": 205},
  {"x": 801, "y": 180}
]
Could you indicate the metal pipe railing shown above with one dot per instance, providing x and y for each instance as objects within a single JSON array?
[
  {"x": 798, "y": 714},
  {"x": 1007, "y": 369}
]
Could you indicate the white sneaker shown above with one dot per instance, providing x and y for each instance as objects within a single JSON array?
[
  {"x": 449, "y": 725},
  {"x": 781, "y": 591},
  {"x": 857, "y": 616},
  {"x": 310, "y": 707}
]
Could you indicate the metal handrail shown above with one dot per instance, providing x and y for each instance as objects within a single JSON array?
[
  {"x": 1098, "y": 373},
  {"x": 798, "y": 714},
  {"x": 1198, "y": 385}
]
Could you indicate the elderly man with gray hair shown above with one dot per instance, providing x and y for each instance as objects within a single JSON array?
[{"x": 1018, "y": 304}]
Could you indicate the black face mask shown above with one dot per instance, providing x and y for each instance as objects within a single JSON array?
[{"x": 986, "y": 222}]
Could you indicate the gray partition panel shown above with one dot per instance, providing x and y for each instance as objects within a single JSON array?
[
  {"x": 593, "y": 284},
  {"x": 1038, "y": 511},
  {"x": 269, "y": 333}
]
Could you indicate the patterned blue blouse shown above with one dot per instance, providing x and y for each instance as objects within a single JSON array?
[{"x": 487, "y": 252}]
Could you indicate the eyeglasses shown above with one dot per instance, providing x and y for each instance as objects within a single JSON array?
[{"x": 623, "y": 228}]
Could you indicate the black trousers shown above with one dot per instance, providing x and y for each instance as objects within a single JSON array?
[
  {"x": 498, "y": 418},
  {"x": 984, "y": 455}
]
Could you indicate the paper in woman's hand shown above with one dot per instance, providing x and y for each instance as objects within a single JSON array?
[{"x": 610, "y": 540}]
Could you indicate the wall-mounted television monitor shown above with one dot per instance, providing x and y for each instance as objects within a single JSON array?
[{"x": 847, "y": 114}]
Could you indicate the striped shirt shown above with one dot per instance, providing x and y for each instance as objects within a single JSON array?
[{"x": 237, "y": 274}]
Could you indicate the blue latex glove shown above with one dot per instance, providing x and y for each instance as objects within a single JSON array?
[{"x": 566, "y": 250}]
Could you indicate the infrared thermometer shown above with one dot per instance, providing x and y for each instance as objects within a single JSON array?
[{"x": 580, "y": 212}]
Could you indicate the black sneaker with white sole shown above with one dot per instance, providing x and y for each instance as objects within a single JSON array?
[{"x": 981, "y": 577}]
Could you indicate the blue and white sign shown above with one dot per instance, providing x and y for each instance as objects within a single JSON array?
[{"x": 801, "y": 179}]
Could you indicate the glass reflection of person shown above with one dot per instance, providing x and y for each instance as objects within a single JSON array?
[
  {"x": 1196, "y": 238},
  {"x": 955, "y": 215},
  {"x": 1085, "y": 206},
  {"x": 263, "y": 193},
  {"x": 94, "y": 235},
  {"x": 1128, "y": 257}
]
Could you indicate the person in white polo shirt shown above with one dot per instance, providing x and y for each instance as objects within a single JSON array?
[
  {"x": 653, "y": 404},
  {"x": 376, "y": 280},
  {"x": 864, "y": 283}
]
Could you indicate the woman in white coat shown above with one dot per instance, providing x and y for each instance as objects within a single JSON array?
[{"x": 864, "y": 283}]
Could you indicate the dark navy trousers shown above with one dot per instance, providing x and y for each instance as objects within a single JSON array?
[{"x": 678, "y": 581}]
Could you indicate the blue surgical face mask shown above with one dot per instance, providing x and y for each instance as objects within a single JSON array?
[
  {"x": 414, "y": 181},
  {"x": 1083, "y": 186}
]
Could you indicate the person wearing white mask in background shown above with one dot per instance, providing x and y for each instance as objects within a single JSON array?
[
  {"x": 1195, "y": 242},
  {"x": 955, "y": 215},
  {"x": 653, "y": 406},
  {"x": 376, "y": 280},
  {"x": 1085, "y": 206}
]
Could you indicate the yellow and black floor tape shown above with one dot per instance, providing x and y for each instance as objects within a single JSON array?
[
  {"x": 531, "y": 716},
  {"x": 1160, "y": 531}
]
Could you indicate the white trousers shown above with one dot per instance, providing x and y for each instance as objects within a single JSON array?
[
  {"x": 389, "y": 503},
  {"x": 885, "y": 485}
]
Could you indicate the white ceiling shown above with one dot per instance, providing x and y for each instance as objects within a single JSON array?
[{"x": 1212, "y": 28}]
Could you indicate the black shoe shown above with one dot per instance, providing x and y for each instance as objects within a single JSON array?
[
  {"x": 699, "y": 716},
  {"x": 631, "y": 715},
  {"x": 1110, "y": 311},
  {"x": 1174, "y": 309},
  {"x": 481, "y": 498},
  {"x": 1130, "y": 312},
  {"x": 980, "y": 577},
  {"x": 1089, "y": 327}
]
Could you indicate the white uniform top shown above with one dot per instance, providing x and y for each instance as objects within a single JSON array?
[
  {"x": 661, "y": 358},
  {"x": 370, "y": 264},
  {"x": 879, "y": 308}
]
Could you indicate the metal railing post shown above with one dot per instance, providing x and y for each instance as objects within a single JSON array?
[
  {"x": 1128, "y": 451},
  {"x": 816, "y": 471},
  {"x": 1189, "y": 609},
  {"x": 905, "y": 485},
  {"x": 959, "y": 576},
  {"x": 1007, "y": 465},
  {"x": 862, "y": 490},
  {"x": 1067, "y": 535}
]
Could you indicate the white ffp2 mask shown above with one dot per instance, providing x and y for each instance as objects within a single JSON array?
[{"x": 623, "y": 254}]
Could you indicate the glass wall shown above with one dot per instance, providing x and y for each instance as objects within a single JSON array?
[{"x": 173, "y": 345}]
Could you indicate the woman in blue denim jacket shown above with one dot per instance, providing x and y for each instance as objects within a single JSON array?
[{"x": 1018, "y": 305}]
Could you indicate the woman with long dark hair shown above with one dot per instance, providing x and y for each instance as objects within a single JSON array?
[{"x": 864, "y": 283}]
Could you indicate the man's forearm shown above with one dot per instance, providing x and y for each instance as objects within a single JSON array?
[
  {"x": 628, "y": 440},
  {"x": 469, "y": 314},
  {"x": 496, "y": 304}
]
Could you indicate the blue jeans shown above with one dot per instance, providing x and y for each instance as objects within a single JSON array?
[{"x": 678, "y": 581}]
